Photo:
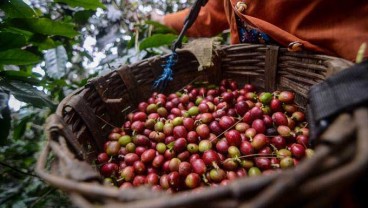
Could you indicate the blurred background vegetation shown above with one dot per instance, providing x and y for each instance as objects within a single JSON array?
[{"x": 49, "y": 48}]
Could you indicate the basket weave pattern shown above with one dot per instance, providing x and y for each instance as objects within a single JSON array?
[{"x": 84, "y": 119}]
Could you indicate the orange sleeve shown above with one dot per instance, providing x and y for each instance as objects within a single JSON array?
[
  {"x": 211, "y": 20},
  {"x": 327, "y": 26}
]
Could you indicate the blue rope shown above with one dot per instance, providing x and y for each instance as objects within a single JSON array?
[{"x": 167, "y": 75}]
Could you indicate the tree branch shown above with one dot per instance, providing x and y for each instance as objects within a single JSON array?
[{"x": 19, "y": 171}]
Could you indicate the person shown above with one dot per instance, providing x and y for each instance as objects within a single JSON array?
[{"x": 336, "y": 28}]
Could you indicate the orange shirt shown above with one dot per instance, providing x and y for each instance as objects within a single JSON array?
[{"x": 331, "y": 27}]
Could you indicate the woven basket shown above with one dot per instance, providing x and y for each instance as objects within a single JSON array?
[{"x": 78, "y": 130}]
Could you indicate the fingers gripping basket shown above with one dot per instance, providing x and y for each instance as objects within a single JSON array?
[{"x": 76, "y": 133}]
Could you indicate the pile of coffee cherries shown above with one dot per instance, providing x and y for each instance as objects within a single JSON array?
[{"x": 205, "y": 136}]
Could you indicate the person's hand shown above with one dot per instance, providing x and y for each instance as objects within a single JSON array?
[{"x": 157, "y": 17}]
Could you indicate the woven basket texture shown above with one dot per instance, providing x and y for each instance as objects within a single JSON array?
[{"x": 77, "y": 131}]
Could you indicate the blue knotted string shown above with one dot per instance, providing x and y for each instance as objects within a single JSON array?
[{"x": 167, "y": 74}]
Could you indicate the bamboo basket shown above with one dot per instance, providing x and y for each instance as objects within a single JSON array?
[{"x": 77, "y": 131}]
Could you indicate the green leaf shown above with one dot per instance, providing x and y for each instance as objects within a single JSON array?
[
  {"x": 42, "y": 42},
  {"x": 19, "y": 204},
  {"x": 9, "y": 192},
  {"x": 81, "y": 17},
  {"x": 87, "y": 4},
  {"x": 4, "y": 98},
  {"x": 20, "y": 76},
  {"x": 20, "y": 128},
  {"x": 170, "y": 145},
  {"x": 160, "y": 28},
  {"x": 157, "y": 41},
  {"x": 25, "y": 33},
  {"x": 82, "y": 82},
  {"x": 44, "y": 26},
  {"x": 26, "y": 93},
  {"x": 18, "y": 57},
  {"x": 46, "y": 44},
  {"x": 86, "y": 54},
  {"x": 4, "y": 117},
  {"x": 56, "y": 60},
  {"x": 131, "y": 42},
  {"x": 16, "y": 9},
  {"x": 10, "y": 40}
]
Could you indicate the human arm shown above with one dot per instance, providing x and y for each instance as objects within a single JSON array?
[{"x": 211, "y": 20}]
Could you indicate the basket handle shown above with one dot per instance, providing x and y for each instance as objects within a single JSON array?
[
  {"x": 55, "y": 127},
  {"x": 61, "y": 140}
]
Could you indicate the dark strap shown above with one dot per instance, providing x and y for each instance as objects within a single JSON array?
[
  {"x": 167, "y": 75},
  {"x": 340, "y": 92},
  {"x": 189, "y": 20}
]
